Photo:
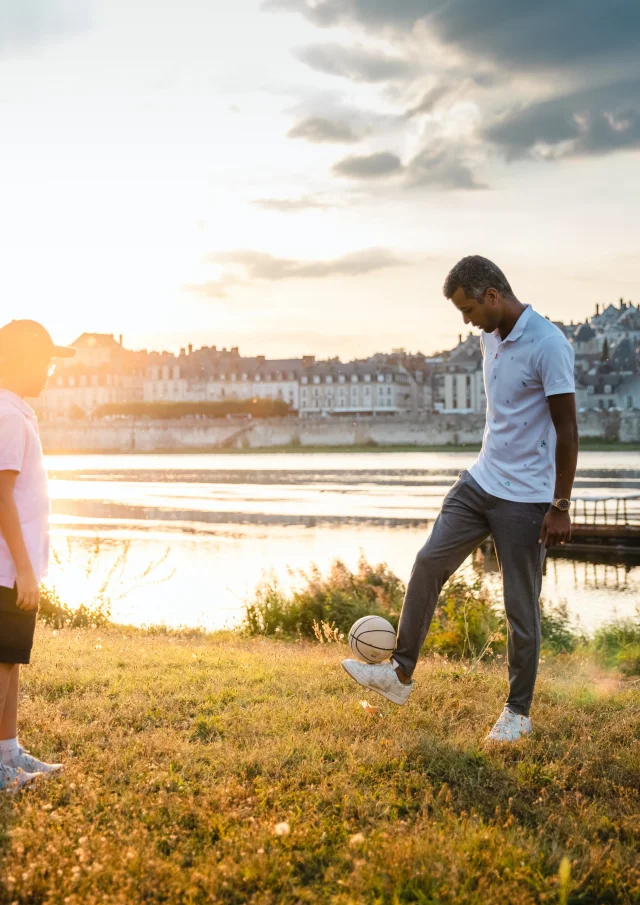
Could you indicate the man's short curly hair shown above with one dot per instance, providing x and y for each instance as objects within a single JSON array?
[{"x": 475, "y": 275}]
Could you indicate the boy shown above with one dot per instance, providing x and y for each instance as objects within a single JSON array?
[{"x": 26, "y": 351}]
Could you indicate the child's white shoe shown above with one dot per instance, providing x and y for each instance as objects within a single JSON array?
[
  {"x": 12, "y": 779},
  {"x": 30, "y": 764}
]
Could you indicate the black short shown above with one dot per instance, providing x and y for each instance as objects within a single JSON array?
[{"x": 16, "y": 628}]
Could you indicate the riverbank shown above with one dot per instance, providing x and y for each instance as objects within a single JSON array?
[
  {"x": 208, "y": 768},
  {"x": 434, "y": 432},
  {"x": 585, "y": 445}
]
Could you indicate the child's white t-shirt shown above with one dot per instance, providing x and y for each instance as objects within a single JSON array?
[{"x": 21, "y": 451}]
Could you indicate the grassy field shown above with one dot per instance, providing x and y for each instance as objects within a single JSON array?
[{"x": 216, "y": 769}]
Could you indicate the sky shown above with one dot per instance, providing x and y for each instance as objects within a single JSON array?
[{"x": 297, "y": 176}]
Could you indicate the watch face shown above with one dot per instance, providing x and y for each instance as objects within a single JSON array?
[{"x": 563, "y": 505}]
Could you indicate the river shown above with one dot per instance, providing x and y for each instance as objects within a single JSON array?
[{"x": 211, "y": 527}]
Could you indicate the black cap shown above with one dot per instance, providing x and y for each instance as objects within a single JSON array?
[{"x": 26, "y": 338}]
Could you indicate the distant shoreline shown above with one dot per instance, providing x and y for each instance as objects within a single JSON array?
[{"x": 585, "y": 446}]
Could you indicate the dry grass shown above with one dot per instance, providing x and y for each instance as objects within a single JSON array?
[{"x": 184, "y": 753}]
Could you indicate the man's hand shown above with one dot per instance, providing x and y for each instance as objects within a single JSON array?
[
  {"x": 556, "y": 528},
  {"x": 28, "y": 590}
]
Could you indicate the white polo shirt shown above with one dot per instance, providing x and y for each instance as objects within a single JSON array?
[
  {"x": 21, "y": 451},
  {"x": 517, "y": 460}
]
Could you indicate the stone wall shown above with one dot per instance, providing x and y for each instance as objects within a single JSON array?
[{"x": 433, "y": 430}]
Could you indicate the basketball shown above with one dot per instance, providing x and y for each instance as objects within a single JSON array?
[{"x": 372, "y": 639}]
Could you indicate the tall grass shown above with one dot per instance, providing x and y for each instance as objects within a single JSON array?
[
  {"x": 468, "y": 623},
  {"x": 103, "y": 587}
]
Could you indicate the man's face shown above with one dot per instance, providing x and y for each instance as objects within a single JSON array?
[{"x": 485, "y": 314}]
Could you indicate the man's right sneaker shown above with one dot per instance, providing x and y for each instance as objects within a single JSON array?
[
  {"x": 379, "y": 677},
  {"x": 12, "y": 779}
]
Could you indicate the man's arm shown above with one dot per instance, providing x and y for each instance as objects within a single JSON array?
[
  {"x": 11, "y": 530},
  {"x": 556, "y": 528}
]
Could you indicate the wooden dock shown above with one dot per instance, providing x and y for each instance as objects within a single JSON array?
[
  {"x": 601, "y": 523},
  {"x": 602, "y": 526}
]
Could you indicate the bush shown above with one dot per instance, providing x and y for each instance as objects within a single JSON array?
[
  {"x": 466, "y": 623},
  {"x": 59, "y": 615},
  {"x": 617, "y": 644},
  {"x": 336, "y": 600},
  {"x": 558, "y": 634}
]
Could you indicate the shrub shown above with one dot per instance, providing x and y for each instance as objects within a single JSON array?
[
  {"x": 558, "y": 634},
  {"x": 466, "y": 622},
  {"x": 337, "y": 600},
  {"x": 618, "y": 644},
  {"x": 59, "y": 615}
]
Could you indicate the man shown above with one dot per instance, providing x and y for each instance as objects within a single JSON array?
[
  {"x": 26, "y": 351},
  {"x": 518, "y": 490}
]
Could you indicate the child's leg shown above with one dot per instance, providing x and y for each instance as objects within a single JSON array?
[{"x": 10, "y": 678}]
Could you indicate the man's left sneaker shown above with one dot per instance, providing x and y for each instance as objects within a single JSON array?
[
  {"x": 379, "y": 677},
  {"x": 510, "y": 727},
  {"x": 30, "y": 764}
]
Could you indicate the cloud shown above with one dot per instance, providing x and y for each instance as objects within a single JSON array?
[
  {"x": 24, "y": 23},
  {"x": 371, "y": 166},
  {"x": 376, "y": 13},
  {"x": 442, "y": 167},
  {"x": 520, "y": 36},
  {"x": 320, "y": 202},
  {"x": 258, "y": 265},
  {"x": 355, "y": 63},
  {"x": 290, "y": 205},
  {"x": 319, "y": 130},
  {"x": 585, "y": 103},
  {"x": 437, "y": 166},
  {"x": 214, "y": 289},
  {"x": 430, "y": 99},
  {"x": 583, "y": 123}
]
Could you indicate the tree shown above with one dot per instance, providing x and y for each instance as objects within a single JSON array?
[{"x": 605, "y": 350}]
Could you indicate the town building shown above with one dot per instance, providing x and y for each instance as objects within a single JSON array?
[{"x": 104, "y": 372}]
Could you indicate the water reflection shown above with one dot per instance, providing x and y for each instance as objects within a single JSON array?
[{"x": 227, "y": 519}]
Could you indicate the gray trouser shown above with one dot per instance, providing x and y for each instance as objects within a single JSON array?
[{"x": 468, "y": 516}]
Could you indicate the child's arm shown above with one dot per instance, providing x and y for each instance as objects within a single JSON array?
[{"x": 10, "y": 528}]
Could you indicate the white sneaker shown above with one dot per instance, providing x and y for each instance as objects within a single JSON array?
[
  {"x": 510, "y": 727},
  {"x": 12, "y": 779},
  {"x": 30, "y": 764},
  {"x": 380, "y": 677}
]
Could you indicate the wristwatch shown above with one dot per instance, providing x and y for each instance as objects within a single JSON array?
[{"x": 562, "y": 504}]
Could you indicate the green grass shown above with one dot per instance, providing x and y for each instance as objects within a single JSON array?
[{"x": 184, "y": 753}]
